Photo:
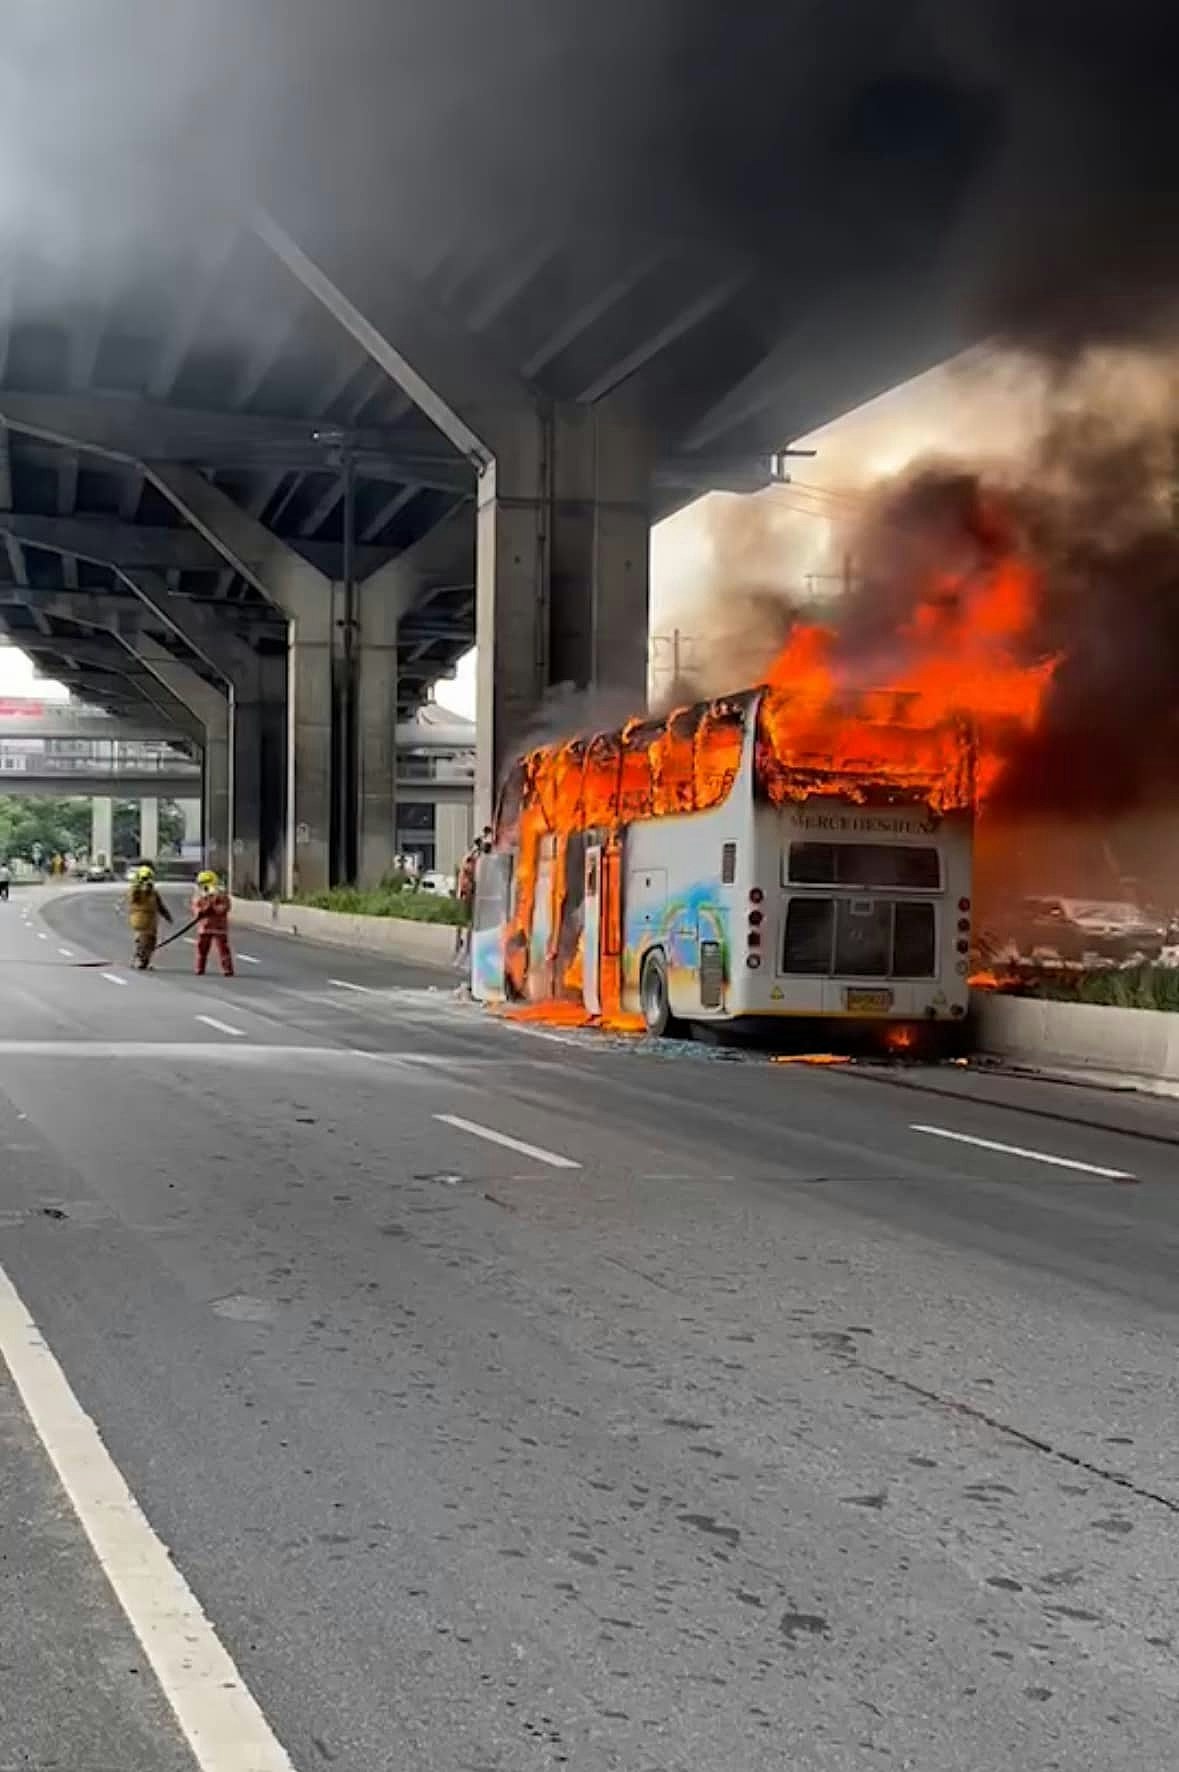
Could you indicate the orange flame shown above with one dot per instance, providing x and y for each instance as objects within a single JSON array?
[
  {"x": 959, "y": 687},
  {"x": 959, "y": 662}
]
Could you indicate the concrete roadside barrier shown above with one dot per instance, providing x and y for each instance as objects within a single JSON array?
[
  {"x": 1137, "y": 1046},
  {"x": 427, "y": 944}
]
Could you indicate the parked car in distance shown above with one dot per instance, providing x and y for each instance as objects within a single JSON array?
[
  {"x": 98, "y": 874},
  {"x": 433, "y": 881},
  {"x": 1080, "y": 929}
]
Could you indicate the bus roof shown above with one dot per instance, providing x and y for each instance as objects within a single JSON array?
[{"x": 866, "y": 748}]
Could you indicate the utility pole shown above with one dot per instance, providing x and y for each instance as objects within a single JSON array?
[
  {"x": 681, "y": 648},
  {"x": 846, "y": 578}
]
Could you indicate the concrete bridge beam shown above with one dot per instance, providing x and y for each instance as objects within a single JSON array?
[
  {"x": 562, "y": 574},
  {"x": 203, "y": 711},
  {"x": 255, "y": 687},
  {"x": 210, "y": 708},
  {"x": 307, "y": 600},
  {"x": 563, "y": 504}
]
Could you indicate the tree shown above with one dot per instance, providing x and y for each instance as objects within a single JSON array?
[
  {"x": 62, "y": 827},
  {"x": 58, "y": 826}
]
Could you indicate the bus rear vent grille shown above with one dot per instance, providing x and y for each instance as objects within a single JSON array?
[
  {"x": 712, "y": 975},
  {"x": 728, "y": 863}
]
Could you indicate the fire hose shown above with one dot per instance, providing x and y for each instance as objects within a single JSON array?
[{"x": 175, "y": 936}]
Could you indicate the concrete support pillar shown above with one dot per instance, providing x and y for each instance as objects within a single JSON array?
[
  {"x": 216, "y": 798},
  {"x": 257, "y": 690},
  {"x": 210, "y": 708},
  {"x": 102, "y": 829},
  {"x": 563, "y": 501},
  {"x": 376, "y": 730},
  {"x": 453, "y": 834},
  {"x": 305, "y": 597},
  {"x": 191, "y": 810},
  {"x": 309, "y": 739},
  {"x": 245, "y": 797},
  {"x": 562, "y": 574},
  {"x": 149, "y": 829}
]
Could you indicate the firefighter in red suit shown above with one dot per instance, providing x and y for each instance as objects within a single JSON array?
[{"x": 211, "y": 907}]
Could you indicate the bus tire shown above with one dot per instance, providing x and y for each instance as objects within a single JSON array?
[{"x": 654, "y": 998}]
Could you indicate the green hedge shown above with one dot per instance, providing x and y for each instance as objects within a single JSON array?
[
  {"x": 387, "y": 901},
  {"x": 1138, "y": 987}
]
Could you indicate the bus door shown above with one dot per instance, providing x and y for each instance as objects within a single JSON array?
[
  {"x": 610, "y": 932},
  {"x": 493, "y": 896},
  {"x": 591, "y": 965}
]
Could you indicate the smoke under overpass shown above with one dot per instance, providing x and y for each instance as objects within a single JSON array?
[{"x": 332, "y": 349}]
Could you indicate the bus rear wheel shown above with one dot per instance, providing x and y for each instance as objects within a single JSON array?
[{"x": 654, "y": 999}]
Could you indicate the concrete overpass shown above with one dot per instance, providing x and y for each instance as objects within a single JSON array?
[{"x": 413, "y": 346}]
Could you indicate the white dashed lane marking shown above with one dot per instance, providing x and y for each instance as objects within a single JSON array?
[
  {"x": 222, "y": 1027},
  {"x": 345, "y": 984},
  {"x": 552, "y": 1158},
  {"x": 249, "y": 959},
  {"x": 113, "y": 978},
  {"x": 66, "y": 953},
  {"x": 1016, "y": 1150},
  {"x": 219, "y": 1715}
]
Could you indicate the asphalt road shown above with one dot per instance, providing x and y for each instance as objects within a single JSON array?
[{"x": 511, "y": 1400}]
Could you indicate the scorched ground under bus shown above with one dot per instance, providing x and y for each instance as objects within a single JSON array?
[{"x": 722, "y": 866}]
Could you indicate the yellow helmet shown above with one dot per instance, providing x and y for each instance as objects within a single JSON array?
[
  {"x": 206, "y": 878},
  {"x": 144, "y": 873}
]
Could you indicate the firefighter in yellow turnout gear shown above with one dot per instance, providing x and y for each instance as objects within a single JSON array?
[{"x": 145, "y": 908}]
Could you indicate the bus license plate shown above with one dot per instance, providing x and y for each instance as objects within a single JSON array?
[{"x": 869, "y": 1002}]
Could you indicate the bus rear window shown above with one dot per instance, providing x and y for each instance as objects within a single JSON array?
[
  {"x": 909, "y": 867},
  {"x": 859, "y": 938},
  {"x": 809, "y": 925}
]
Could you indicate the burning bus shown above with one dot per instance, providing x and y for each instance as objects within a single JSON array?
[{"x": 770, "y": 853}]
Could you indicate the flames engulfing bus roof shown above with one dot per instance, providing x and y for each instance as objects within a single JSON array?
[{"x": 871, "y": 749}]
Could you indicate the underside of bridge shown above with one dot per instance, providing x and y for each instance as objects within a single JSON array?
[{"x": 402, "y": 336}]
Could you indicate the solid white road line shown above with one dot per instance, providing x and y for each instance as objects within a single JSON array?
[
  {"x": 66, "y": 953},
  {"x": 1016, "y": 1150},
  {"x": 218, "y": 1714},
  {"x": 113, "y": 978},
  {"x": 345, "y": 984},
  {"x": 223, "y": 1027},
  {"x": 514, "y": 1144}
]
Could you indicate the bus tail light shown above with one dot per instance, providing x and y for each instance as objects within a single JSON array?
[
  {"x": 963, "y": 947},
  {"x": 964, "y": 925},
  {"x": 754, "y": 938},
  {"x": 756, "y": 895},
  {"x": 755, "y": 919},
  {"x": 753, "y": 961},
  {"x": 963, "y": 904}
]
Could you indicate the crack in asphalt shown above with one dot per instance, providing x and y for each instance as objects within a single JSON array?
[{"x": 971, "y": 1410}]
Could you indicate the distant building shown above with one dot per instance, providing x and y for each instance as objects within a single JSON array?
[{"x": 435, "y": 788}]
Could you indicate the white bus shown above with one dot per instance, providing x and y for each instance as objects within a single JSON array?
[{"x": 680, "y": 874}]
